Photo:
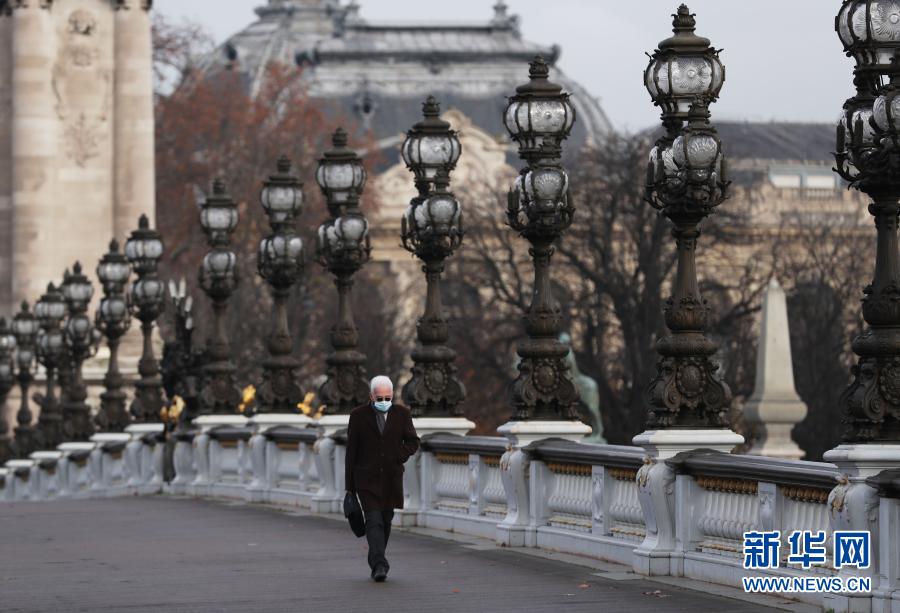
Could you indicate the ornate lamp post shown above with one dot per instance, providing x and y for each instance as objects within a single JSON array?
[
  {"x": 685, "y": 181},
  {"x": 113, "y": 319},
  {"x": 539, "y": 118},
  {"x": 219, "y": 218},
  {"x": 432, "y": 229},
  {"x": 7, "y": 380},
  {"x": 80, "y": 341},
  {"x": 868, "y": 136},
  {"x": 25, "y": 327},
  {"x": 280, "y": 263},
  {"x": 51, "y": 349},
  {"x": 143, "y": 249},
  {"x": 343, "y": 248}
]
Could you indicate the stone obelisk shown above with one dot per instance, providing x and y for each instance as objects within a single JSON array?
[{"x": 774, "y": 408}]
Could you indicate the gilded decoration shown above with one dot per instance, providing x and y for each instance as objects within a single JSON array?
[
  {"x": 805, "y": 494},
  {"x": 731, "y": 486},
  {"x": 452, "y": 458},
  {"x": 569, "y": 469},
  {"x": 622, "y": 474}
]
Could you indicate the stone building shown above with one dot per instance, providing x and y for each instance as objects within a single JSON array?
[{"x": 76, "y": 135}]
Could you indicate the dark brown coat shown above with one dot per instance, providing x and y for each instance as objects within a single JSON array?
[{"x": 374, "y": 464}]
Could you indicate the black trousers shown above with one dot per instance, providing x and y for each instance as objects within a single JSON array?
[{"x": 378, "y": 530}]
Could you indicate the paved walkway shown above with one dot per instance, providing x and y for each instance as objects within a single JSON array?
[{"x": 174, "y": 555}]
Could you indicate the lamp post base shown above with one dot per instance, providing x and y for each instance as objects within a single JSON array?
[{"x": 663, "y": 444}]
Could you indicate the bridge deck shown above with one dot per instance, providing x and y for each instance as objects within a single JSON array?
[{"x": 165, "y": 554}]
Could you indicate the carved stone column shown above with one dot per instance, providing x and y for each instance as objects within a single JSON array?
[
  {"x": 35, "y": 142},
  {"x": 134, "y": 172}
]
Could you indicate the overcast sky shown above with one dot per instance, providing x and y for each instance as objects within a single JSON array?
[{"x": 782, "y": 57}]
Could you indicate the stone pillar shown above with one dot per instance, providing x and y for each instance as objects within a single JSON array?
[
  {"x": 6, "y": 185},
  {"x": 774, "y": 408},
  {"x": 134, "y": 174},
  {"x": 35, "y": 144}
]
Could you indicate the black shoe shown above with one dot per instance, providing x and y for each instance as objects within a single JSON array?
[{"x": 379, "y": 574}]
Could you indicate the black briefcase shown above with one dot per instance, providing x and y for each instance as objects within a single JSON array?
[{"x": 354, "y": 514}]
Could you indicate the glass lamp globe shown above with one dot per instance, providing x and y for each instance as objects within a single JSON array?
[
  {"x": 886, "y": 108},
  {"x": 855, "y": 123},
  {"x": 218, "y": 214},
  {"x": 219, "y": 264},
  {"x": 113, "y": 270},
  {"x": 147, "y": 292},
  {"x": 869, "y": 31},
  {"x": 25, "y": 326},
  {"x": 431, "y": 145},
  {"x": 441, "y": 212},
  {"x": 540, "y": 113},
  {"x": 114, "y": 309},
  {"x": 544, "y": 188},
  {"x": 7, "y": 339},
  {"x": 50, "y": 343},
  {"x": 24, "y": 358},
  {"x": 282, "y": 194},
  {"x": 280, "y": 249},
  {"x": 144, "y": 247},
  {"x": 78, "y": 330},
  {"x": 77, "y": 289},
  {"x": 51, "y": 308},
  {"x": 683, "y": 68},
  {"x": 340, "y": 174},
  {"x": 350, "y": 230}
]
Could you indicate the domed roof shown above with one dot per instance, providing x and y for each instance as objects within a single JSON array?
[{"x": 379, "y": 73}]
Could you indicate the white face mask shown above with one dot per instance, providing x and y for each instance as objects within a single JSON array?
[{"x": 383, "y": 406}]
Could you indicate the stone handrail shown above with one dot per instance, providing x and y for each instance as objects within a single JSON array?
[
  {"x": 441, "y": 442},
  {"x": 799, "y": 473}
]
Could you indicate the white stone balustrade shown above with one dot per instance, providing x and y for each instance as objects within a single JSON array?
[
  {"x": 274, "y": 454},
  {"x": 144, "y": 456},
  {"x": 554, "y": 494},
  {"x": 110, "y": 473}
]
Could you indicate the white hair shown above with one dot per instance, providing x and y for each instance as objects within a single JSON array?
[{"x": 380, "y": 380}]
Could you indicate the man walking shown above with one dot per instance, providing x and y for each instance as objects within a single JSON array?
[{"x": 380, "y": 438}]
